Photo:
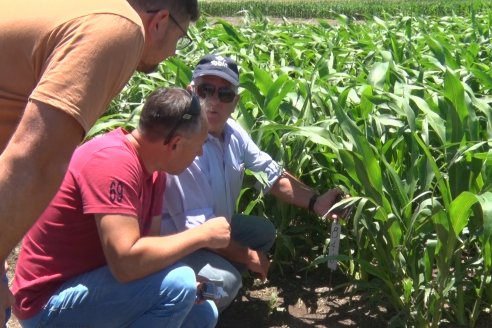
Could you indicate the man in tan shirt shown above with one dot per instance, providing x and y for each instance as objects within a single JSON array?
[{"x": 61, "y": 63}]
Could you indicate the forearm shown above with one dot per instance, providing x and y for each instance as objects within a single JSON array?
[
  {"x": 33, "y": 166},
  {"x": 131, "y": 256},
  {"x": 255, "y": 261},
  {"x": 152, "y": 254},
  {"x": 235, "y": 252},
  {"x": 290, "y": 190},
  {"x": 25, "y": 190}
]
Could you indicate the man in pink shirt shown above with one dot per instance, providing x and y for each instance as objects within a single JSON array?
[{"x": 94, "y": 257}]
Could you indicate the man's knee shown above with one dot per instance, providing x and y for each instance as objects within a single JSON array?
[
  {"x": 270, "y": 231},
  {"x": 268, "y": 235},
  {"x": 202, "y": 315},
  {"x": 179, "y": 285},
  {"x": 232, "y": 283}
]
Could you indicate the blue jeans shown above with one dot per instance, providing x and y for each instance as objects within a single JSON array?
[
  {"x": 5, "y": 280},
  {"x": 255, "y": 232},
  {"x": 97, "y": 299}
]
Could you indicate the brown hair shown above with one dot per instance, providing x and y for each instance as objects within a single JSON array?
[
  {"x": 176, "y": 7},
  {"x": 164, "y": 109}
]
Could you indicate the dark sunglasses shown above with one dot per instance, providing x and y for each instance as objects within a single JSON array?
[
  {"x": 192, "y": 111},
  {"x": 225, "y": 94}
]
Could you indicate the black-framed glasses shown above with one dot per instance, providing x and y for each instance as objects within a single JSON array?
[
  {"x": 184, "y": 41},
  {"x": 192, "y": 111},
  {"x": 225, "y": 94}
]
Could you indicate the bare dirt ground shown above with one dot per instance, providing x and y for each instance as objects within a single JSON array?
[
  {"x": 295, "y": 301},
  {"x": 299, "y": 301}
]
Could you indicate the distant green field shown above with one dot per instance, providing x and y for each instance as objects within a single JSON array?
[{"x": 331, "y": 8}]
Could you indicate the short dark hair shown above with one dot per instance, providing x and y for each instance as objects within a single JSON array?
[
  {"x": 179, "y": 8},
  {"x": 163, "y": 110}
]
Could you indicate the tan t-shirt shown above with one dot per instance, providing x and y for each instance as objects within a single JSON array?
[{"x": 73, "y": 55}]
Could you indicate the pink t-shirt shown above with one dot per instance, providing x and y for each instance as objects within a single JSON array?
[{"x": 105, "y": 176}]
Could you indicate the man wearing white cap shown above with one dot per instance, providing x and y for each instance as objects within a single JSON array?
[{"x": 211, "y": 185}]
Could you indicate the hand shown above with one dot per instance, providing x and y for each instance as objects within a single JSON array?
[
  {"x": 258, "y": 263},
  {"x": 327, "y": 200},
  {"x": 218, "y": 231}
]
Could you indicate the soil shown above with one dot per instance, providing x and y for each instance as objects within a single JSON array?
[
  {"x": 295, "y": 301},
  {"x": 299, "y": 301}
]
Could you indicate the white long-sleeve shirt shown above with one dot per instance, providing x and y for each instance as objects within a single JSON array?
[{"x": 211, "y": 185}]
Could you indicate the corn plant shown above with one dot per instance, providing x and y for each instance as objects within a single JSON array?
[
  {"x": 395, "y": 110},
  {"x": 329, "y": 8}
]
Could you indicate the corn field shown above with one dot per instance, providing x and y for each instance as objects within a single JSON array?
[
  {"x": 396, "y": 110},
  {"x": 330, "y": 8}
]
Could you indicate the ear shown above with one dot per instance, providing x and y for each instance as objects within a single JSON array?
[
  {"x": 157, "y": 21},
  {"x": 173, "y": 143}
]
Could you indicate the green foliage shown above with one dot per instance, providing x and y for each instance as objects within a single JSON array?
[
  {"x": 394, "y": 110},
  {"x": 331, "y": 8}
]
